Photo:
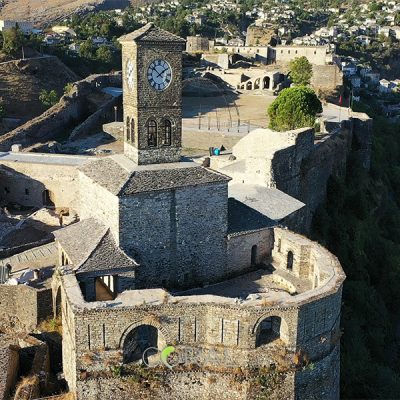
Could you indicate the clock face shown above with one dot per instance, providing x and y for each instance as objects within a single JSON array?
[
  {"x": 159, "y": 75},
  {"x": 130, "y": 74}
]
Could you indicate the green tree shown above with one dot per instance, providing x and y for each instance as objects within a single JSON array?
[
  {"x": 104, "y": 54},
  {"x": 13, "y": 40},
  {"x": 300, "y": 71},
  {"x": 48, "y": 98},
  {"x": 86, "y": 49},
  {"x": 294, "y": 108}
]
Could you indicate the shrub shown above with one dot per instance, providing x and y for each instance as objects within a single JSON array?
[{"x": 294, "y": 108}]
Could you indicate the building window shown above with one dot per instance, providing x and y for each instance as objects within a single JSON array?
[
  {"x": 152, "y": 133},
  {"x": 315, "y": 52},
  {"x": 128, "y": 129},
  {"x": 288, "y": 51},
  {"x": 281, "y": 51},
  {"x": 167, "y": 133},
  {"x": 132, "y": 130},
  {"x": 279, "y": 245},
  {"x": 27, "y": 192},
  {"x": 6, "y": 190}
]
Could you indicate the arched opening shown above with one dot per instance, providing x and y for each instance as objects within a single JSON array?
[
  {"x": 254, "y": 251},
  {"x": 152, "y": 133},
  {"x": 268, "y": 331},
  {"x": 140, "y": 339},
  {"x": 289, "y": 264},
  {"x": 48, "y": 198},
  {"x": 128, "y": 129},
  {"x": 167, "y": 133},
  {"x": 249, "y": 86},
  {"x": 257, "y": 84},
  {"x": 132, "y": 131},
  {"x": 266, "y": 82}
]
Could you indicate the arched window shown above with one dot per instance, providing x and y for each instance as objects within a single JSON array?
[
  {"x": 132, "y": 136},
  {"x": 167, "y": 133},
  {"x": 268, "y": 331},
  {"x": 128, "y": 129},
  {"x": 152, "y": 133},
  {"x": 290, "y": 261}
]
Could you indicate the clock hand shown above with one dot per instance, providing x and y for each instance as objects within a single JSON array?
[{"x": 159, "y": 74}]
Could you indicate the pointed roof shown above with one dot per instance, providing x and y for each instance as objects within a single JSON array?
[
  {"x": 109, "y": 173},
  {"x": 91, "y": 247},
  {"x": 151, "y": 33}
]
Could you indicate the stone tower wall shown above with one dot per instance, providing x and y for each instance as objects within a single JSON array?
[
  {"x": 143, "y": 102},
  {"x": 179, "y": 234}
]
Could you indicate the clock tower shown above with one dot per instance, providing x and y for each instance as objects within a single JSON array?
[{"x": 152, "y": 95}]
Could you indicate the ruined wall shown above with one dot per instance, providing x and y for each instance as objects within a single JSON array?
[
  {"x": 71, "y": 109},
  {"x": 326, "y": 77},
  {"x": 9, "y": 363},
  {"x": 188, "y": 227},
  {"x": 23, "y": 307},
  {"x": 25, "y": 182}
]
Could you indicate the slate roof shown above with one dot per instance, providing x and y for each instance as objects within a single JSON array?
[
  {"x": 271, "y": 202},
  {"x": 151, "y": 33},
  {"x": 109, "y": 174},
  {"x": 242, "y": 218},
  {"x": 91, "y": 247}
]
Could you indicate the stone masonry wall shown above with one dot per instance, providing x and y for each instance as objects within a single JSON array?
[
  {"x": 24, "y": 183},
  {"x": 23, "y": 307},
  {"x": 187, "y": 226}
]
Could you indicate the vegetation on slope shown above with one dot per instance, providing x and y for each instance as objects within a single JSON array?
[{"x": 360, "y": 223}]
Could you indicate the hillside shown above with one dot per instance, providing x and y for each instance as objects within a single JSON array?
[
  {"x": 22, "y": 80},
  {"x": 42, "y": 12}
]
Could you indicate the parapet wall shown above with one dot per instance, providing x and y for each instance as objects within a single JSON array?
[{"x": 204, "y": 324}]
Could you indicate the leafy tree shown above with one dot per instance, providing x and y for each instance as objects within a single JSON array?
[
  {"x": 48, "y": 98},
  {"x": 87, "y": 49},
  {"x": 294, "y": 108},
  {"x": 13, "y": 40},
  {"x": 300, "y": 71},
  {"x": 104, "y": 54}
]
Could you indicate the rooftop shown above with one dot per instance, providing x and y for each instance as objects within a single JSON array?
[
  {"x": 269, "y": 202},
  {"x": 151, "y": 33},
  {"x": 123, "y": 177},
  {"x": 90, "y": 246},
  {"x": 43, "y": 158}
]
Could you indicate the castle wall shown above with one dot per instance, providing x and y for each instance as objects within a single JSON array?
[
  {"x": 24, "y": 183},
  {"x": 174, "y": 234},
  {"x": 23, "y": 307},
  {"x": 239, "y": 249},
  {"x": 284, "y": 54},
  {"x": 97, "y": 202},
  {"x": 326, "y": 77}
]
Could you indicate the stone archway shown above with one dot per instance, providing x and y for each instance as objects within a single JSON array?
[
  {"x": 269, "y": 328},
  {"x": 257, "y": 83},
  {"x": 140, "y": 339},
  {"x": 249, "y": 85},
  {"x": 266, "y": 82}
]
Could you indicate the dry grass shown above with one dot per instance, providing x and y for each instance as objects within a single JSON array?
[{"x": 51, "y": 325}]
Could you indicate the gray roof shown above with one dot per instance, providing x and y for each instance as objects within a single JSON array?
[
  {"x": 120, "y": 181},
  {"x": 270, "y": 202},
  {"x": 91, "y": 247},
  {"x": 242, "y": 218},
  {"x": 151, "y": 33}
]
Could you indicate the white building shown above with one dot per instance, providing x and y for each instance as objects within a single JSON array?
[{"x": 25, "y": 26}]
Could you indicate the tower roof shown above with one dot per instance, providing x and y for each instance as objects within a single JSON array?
[{"x": 151, "y": 33}]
